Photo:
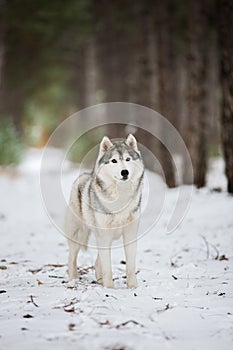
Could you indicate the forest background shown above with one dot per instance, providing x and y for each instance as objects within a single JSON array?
[{"x": 176, "y": 57}]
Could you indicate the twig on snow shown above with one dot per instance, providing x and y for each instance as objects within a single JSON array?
[
  {"x": 53, "y": 276},
  {"x": 127, "y": 322},
  {"x": 208, "y": 248},
  {"x": 216, "y": 250},
  {"x": 167, "y": 307},
  {"x": 33, "y": 302}
]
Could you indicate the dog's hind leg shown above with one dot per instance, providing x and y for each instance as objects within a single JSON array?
[
  {"x": 72, "y": 264},
  {"x": 72, "y": 231}
]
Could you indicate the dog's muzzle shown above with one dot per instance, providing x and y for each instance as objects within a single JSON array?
[{"x": 124, "y": 174}]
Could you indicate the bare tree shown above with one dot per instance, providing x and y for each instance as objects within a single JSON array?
[
  {"x": 2, "y": 49},
  {"x": 225, "y": 8},
  {"x": 167, "y": 99},
  {"x": 78, "y": 81},
  {"x": 142, "y": 73},
  {"x": 113, "y": 29},
  {"x": 197, "y": 123},
  {"x": 114, "y": 34}
]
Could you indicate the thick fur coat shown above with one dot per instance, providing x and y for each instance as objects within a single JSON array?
[{"x": 107, "y": 202}]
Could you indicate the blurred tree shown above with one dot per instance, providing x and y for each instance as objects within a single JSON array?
[
  {"x": 197, "y": 119},
  {"x": 73, "y": 46},
  {"x": 115, "y": 34},
  {"x": 11, "y": 148},
  {"x": 36, "y": 50},
  {"x": 143, "y": 73},
  {"x": 59, "y": 57},
  {"x": 225, "y": 10},
  {"x": 2, "y": 43},
  {"x": 114, "y": 30},
  {"x": 143, "y": 81},
  {"x": 167, "y": 100}
]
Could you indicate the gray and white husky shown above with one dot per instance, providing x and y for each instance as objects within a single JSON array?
[{"x": 107, "y": 202}]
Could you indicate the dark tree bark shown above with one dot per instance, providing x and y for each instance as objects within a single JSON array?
[
  {"x": 2, "y": 50},
  {"x": 113, "y": 49},
  {"x": 196, "y": 132},
  {"x": 225, "y": 8},
  {"x": 143, "y": 67},
  {"x": 78, "y": 83},
  {"x": 114, "y": 36},
  {"x": 167, "y": 99},
  {"x": 13, "y": 95},
  {"x": 142, "y": 73}
]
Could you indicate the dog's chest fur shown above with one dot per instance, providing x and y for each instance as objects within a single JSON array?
[{"x": 113, "y": 207}]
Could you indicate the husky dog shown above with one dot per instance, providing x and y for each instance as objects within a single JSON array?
[{"x": 108, "y": 202}]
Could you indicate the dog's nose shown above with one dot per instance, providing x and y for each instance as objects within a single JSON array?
[{"x": 124, "y": 173}]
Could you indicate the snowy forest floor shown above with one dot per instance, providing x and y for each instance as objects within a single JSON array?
[{"x": 184, "y": 300}]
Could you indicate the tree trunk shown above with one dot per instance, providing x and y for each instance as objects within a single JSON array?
[
  {"x": 166, "y": 79},
  {"x": 2, "y": 51},
  {"x": 13, "y": 99},
  {"x": 113, "y": 44},
  {"x": 112, "y": 50},
  {"x": 143, "y": 66},
  {"x": 196, "y": 133},
  {"x": 12, "y": 92},
  {"x": 80, "y": 79},
  {"x": 226, "y": 77},
  {"x": 142, "y": 73},
  {"x": 91, "y": 76}
]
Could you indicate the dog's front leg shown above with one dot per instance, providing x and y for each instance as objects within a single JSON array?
[
  {"x": 98, "y": 270},
  {"x": 130, "y": 245},
  {"x": 104, "y": 256}
]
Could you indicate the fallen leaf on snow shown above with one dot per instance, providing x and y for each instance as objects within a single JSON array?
[
  {"x": 55, "y": 265},
  {"x": 71, "y": 326},
  {"x": 69, "y": 309},
  {"x": 105, "y": 323},
  {"x": 28, "y": 316},
  {"x": 223, "y": 257},
  {"x": 35, "y": 270}
]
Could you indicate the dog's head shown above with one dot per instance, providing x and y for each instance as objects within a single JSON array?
[{"x": 121, "y": 160}]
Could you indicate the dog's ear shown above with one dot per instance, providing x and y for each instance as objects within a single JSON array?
[
  {"x": 132, "y": 142},
  {"x": 105, "y": 144}
]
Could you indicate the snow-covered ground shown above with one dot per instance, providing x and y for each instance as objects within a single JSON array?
[{"x": 184, "y": 300}]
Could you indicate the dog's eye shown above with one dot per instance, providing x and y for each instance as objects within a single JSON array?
[
  {"x": 114, "y": 160},
  {"x": 127, "y": 159}
]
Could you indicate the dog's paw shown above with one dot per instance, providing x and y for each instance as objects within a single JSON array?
[
  {"x": 108, "y": 284},
  {"x": 72, "y": 283},
  {"x": 73, "y": 276},
  {"x": 99, "y": 281},
  {"x": 132, "y": 283}
]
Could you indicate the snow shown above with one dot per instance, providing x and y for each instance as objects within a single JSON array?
[{"x": 185, "y": 295}]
